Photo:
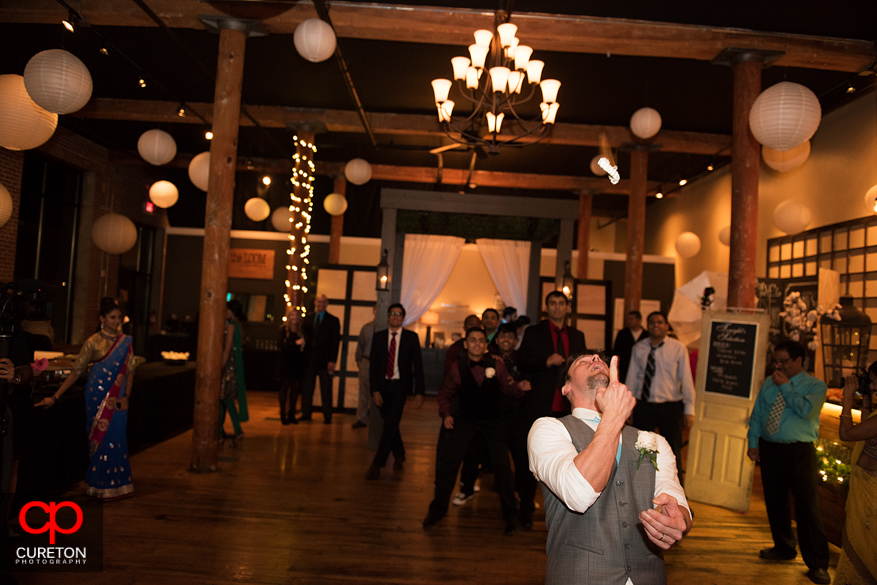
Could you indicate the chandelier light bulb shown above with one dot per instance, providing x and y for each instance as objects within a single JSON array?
[
  {"x": 460, "y": 64},
  {"x": 510, "y": 50},
  {"x": 522, "y": 57},
  {"x": 479, "y": 55},
  {"x": 471, "y": 78},
  {"x": 549, "y": 90},
  {"x": 506, "y": 33},
  {"x": 549, "y": 112},
  {"x": 440, "y": 88},
  {"x": 500, "y": 78},
  {"x": 445, "y": 109},
  {"x": 483, "y": 37},
  {"x": 534, "y": 70},
  {"x": 494, "y": 122},
  {"x": 516, "y": 81}
]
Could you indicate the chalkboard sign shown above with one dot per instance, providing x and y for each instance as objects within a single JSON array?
[{"x": 731, "y": 356}]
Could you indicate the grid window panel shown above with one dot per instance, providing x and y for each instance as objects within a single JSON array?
[
  {"x": 812, "y": 248},
  {"x": 786, "y": 251},
  {"x": 857, "y": 237},
  {"x": 798, "y": 249}
]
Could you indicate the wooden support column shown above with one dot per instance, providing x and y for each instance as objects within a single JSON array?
[
  {"x": 302, "y": 208},
  {"x": 636, "y": 228},
  {"x": 217, "y": 230},
  {"x": 745, "y": 161},
  {"x": 586, "y": 201},
  {"x": 337, "y": 228}
]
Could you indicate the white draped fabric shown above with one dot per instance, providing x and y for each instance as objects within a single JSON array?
[
  {"x": 428, "y": 263},
  {"x": 508, "y": 262}
]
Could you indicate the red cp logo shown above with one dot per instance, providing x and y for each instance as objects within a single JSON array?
[{"x": 52, "y": 525}]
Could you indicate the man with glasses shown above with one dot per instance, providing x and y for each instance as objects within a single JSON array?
[
  {"x": 395, "y": 369},
  {"x": 609, "y": 511},
  {"x": 783, "y": 426}
]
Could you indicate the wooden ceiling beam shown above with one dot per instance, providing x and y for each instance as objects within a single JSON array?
[
  {"x": 454, "y": 26},
  {"x": 391, "y": 124}
]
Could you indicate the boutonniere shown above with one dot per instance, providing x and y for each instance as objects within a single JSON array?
[
  {"x": 489, "y": 372},
  {"x": 40, "y": 365},
  {"x": 647, "y": 445}
]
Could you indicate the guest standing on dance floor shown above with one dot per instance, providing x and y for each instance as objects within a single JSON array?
[
  {"x": 232, "y": 384},
  {"x": 293, "y": 363},
  {"x": 107, "y": 393}
]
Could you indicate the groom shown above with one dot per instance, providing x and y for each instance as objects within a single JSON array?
[{"x": 610, "y": 513}]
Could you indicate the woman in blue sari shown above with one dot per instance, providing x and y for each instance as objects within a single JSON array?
[
  {"x": 106, "y": 404},
  {"x": 231, "y": 385}
]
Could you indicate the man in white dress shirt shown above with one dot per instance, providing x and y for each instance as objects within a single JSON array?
[{"x": 610, "y": 511}]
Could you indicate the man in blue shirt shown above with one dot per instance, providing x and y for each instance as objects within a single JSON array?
[{"x": 783, "y": 426}]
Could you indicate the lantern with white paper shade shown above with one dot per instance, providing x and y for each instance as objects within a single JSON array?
[
  {"x": 335, "y": 204},
  {"x": 257, "y": 209},
  {"x": 871, "y": 198},
  {"x": 114, "y": 233},
  {"x": 358, "y": 171},
  {"x": 5, "y": 205},
  {"x": 199, "y": 170},
  {"x": 23, "y": 124},
  {"x": 791, "y": 216},
  {"x": 645, "y": 122},
  {"x": 157, "y": 147},
  {"x": 314, "y": 40},
  {"x": 57, "y": 81},
  {"x": 785, "y": 115},
  {"x": 164, "y": 194},
  {"x": 596, "y": 168},
  {"x": 725, "y": 235},
  {"x": 786, "y": 160},
  {"x": 687, "y": 244},
  {"x": 280, "y": 219}
]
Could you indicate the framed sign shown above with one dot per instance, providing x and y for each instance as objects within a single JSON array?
[
  {"x": 250, "y": 263},
  {"x": 734, "y": 347}
]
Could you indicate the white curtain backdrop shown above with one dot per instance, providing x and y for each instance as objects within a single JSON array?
[
  {"x": 425, "y": 270},
  {"x": 508, "y": 262}
]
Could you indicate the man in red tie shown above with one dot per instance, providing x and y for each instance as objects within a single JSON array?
[{"x": 396, "y": 370}]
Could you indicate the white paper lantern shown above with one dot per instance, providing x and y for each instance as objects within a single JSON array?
[
  {"x": 199, "y": 170},
  {"x": 114, "y": 233},
  {"x": 725, "y": 235},
  {"x": 791, "y": 216},
  {"x": 5, "y": 205},
  {"x": 314, "y": 40},
  {"x": 57, "y": 81},
  {"x": 23, "y": 124},
  {"x": 785, "y": 115},
  {"x": 335, "y": 204},
  {"x": 257, "y": 209},
  {"x": 871, "y": 198},
  {"x": 157, "y": 147},
  {"x": 645, "y": 122},
  {"x": 280, "y": 219},
  {"x": 687, "y": 244},
  {"x": 596, "y": 168},
  {"x": 358, "y": 171},
  {"x": 164, "y": 194},
  {"x": 786, "y": 160}
]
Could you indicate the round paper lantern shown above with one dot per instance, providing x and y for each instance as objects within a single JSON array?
[
  {"x": 314, "y": 40},
  {"x": 596, "y": 168},
  {"x": 199, "y": 170},
  {"x": 645, "y": 122},
  {"x": 871, "y": 198},
  {"x": 280, "y": 219},
  {"x": 5, "y": 205},
  {"x": 358, "y": 171},
  {"x": 257, "y": 209},
  {"x": 786, "y": 160},
  {"x": 57, "y": 81},
  {"x": 157, "y": 147},
  {"x": 791, "y": 216},
  {"x": 23, "y": 124},
  {"x": 164, "y": 194},
  {"x": 687, "y": 244},
  {"x": 114, "y": 233},
  {"x": 335, "y": 204},
  {"x": 725, "y": 235},
  {"x": 785, "y": 115}
]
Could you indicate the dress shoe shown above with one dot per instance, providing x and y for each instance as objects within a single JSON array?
[
  {"x": 818, "y": 576},
  {"x": 772, "y": 554},
  {"x": 430, "y": 521},
  {"x": 304, "y": 417},
  {"x": 511, "y": 528},
  {"x": 284, "y": 420},
  {"x": 526, "y": 520},
  {"x": 358, "y": 425},
  {"x": 374, "y": 472},
  {"x": 292, "y": 420}
]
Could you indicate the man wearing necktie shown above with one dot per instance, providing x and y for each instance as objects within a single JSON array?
[
  {"x": 783, "y": 426},
  {"x": 610, "y": 513},
  {"x": 395, "y": 370},
  {"x": 323, "y": 333},
  {"x": 660, "y": 379}
]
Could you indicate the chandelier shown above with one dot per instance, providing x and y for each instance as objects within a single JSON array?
[{"x": 496, "y": 95}]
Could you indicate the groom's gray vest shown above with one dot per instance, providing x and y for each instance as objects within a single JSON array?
[{"x": 606, "y": 544}]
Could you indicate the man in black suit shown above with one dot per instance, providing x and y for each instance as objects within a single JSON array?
[
  {"x": 542, "y": 359},
  {"x": 323, "y": 333},
  {"x": 396, "y": 368},
  {"x": 633, "y": 331}
]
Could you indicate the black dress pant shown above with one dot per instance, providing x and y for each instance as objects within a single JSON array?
[
  {"x": 667, "y": 417},
  {"x": 517, "y": 432},
  {"x": 290, "y": 388},
  {"x": 462, "y": 436},
  {"x": 307, "y": 397},
  {"x": 394, "y": 396},
  {"x": 791, "y": 469},
  {"x": 476, "y": 456}
]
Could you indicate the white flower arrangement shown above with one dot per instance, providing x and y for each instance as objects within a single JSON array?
[
  {"x": 803, "y": 324},
  {"x": 647, "y": 445},
  {"x": 489, "y": 372}
]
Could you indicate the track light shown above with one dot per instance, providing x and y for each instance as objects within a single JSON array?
[
  {"x": 208, "y": 135},
  {"x": 181, "y": 112},
  {"x": 659, "y": 195},
  {"x": 266, "y": 180},
  {"x": 683, "y": 182},
  {"x": 850, "y": 88},
  {"x": 103, "y": 51},
  {"x": 710, "y": 167},
  {"x": 250, "y": 165},
  {"x": 68, "y": 24},
  {"x": 142, "y": 81}
]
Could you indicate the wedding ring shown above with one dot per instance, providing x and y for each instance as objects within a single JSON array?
[{"x": 662, "y": 536}]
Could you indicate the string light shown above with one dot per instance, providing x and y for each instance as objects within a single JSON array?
[{"x": 302, "y": 206}]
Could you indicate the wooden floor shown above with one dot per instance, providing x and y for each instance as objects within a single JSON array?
[{"x": 292, "y": 506}]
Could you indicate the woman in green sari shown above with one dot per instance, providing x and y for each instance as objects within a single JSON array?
[{"x": 232, "y": 385}]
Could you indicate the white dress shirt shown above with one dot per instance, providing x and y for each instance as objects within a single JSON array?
[
  {"x": 672, "y": 381},
  {"x": 551, "y": 461}
]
